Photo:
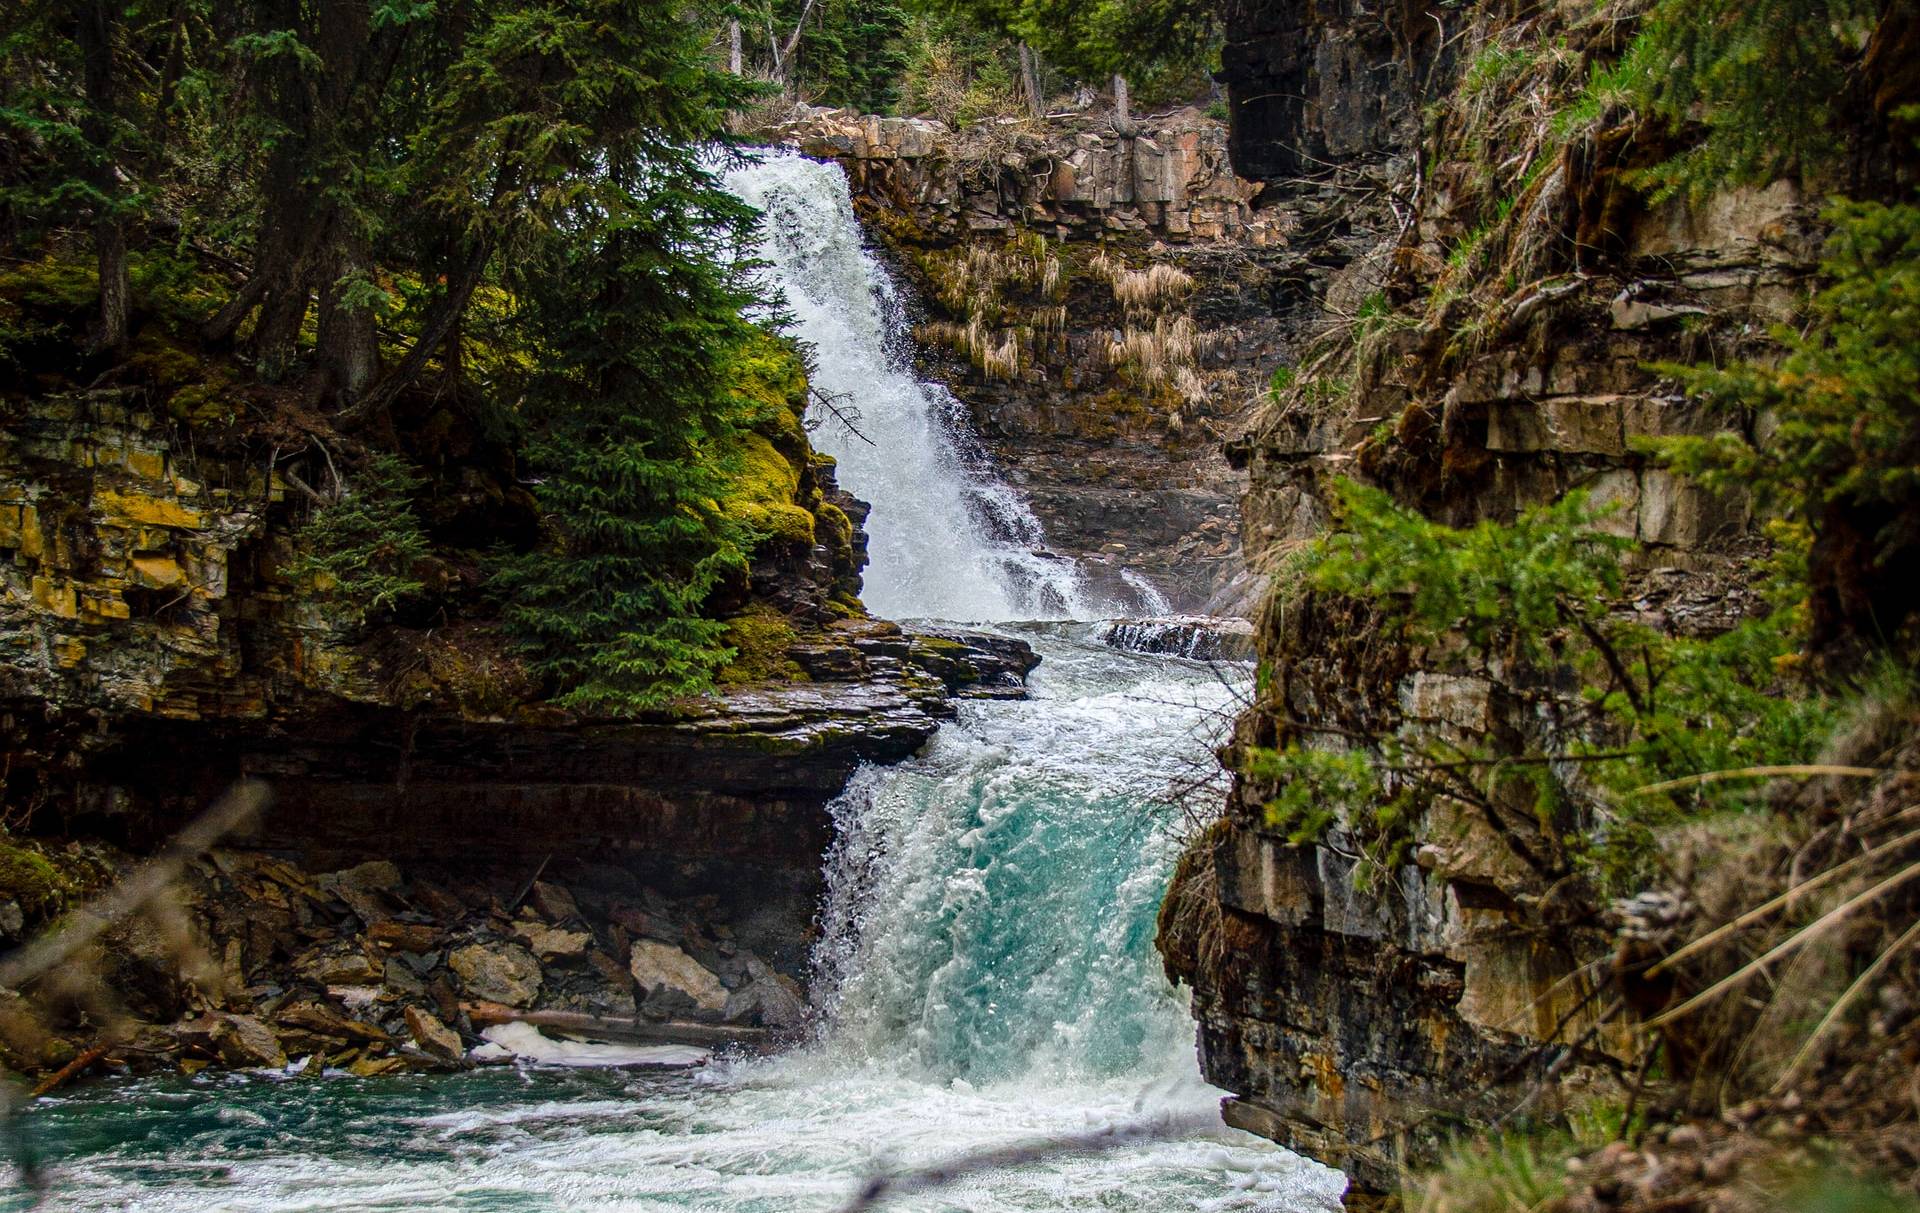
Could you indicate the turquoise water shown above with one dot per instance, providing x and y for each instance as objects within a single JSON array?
[{"x": 986, "y": 977}]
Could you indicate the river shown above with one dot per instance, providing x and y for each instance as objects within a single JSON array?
[{"x": 985, "y": 977}]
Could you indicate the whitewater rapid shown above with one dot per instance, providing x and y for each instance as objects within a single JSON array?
[{"x": 987, "y": 977}]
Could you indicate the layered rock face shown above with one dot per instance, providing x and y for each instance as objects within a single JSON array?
[
  {"x": 1360, "y": 1013},
  {"x": 154, "y": 648},
  {"x": 1101, "y": 306}
]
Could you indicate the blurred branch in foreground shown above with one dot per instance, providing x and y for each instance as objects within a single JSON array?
[{"x": 882, "y": 1187}]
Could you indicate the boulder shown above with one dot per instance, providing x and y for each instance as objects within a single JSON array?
[
  {"x": 378, "y": 876},
  {"x": 768, "y": 1003},
  {"x": 238, "y": 1040},
  {"x": 435, "y": 1039},
  {"x": 323, "y": 1020},
  {"x": 403, "y": 936},
  {"x": 553, "y": 901},
  {"x": 660, "y": 967},
  {"x": 498, "y": 972},
  {"x": 340, "y": 964},
  {"x": 552, "y": 943}
]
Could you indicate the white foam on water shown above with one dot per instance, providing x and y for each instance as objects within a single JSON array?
[{"x": 529, "y": 1044}]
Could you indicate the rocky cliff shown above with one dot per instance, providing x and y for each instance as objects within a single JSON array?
[
  {"x": 158, "y": 643},
  {"x": 1103, "y": 307},
  {"x": 1485, "y": 348}
]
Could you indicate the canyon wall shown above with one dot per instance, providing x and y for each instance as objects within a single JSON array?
[
  {"x": 1102, "y": 307},
  {"x": 1485, "y": 349}
]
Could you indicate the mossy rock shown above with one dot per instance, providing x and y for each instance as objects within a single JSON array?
[
  {"x": 760, "y": 637},
  {"x": 834, "y": 528},
  {"x": 762, "y": 492},
  {"x": 32, "y": 879}
]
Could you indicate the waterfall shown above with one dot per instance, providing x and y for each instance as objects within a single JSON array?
[
  {"x": 985, "y": 974},
  {"x": 948, "y": 538}
]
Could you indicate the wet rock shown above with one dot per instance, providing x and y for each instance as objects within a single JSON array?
[
  {"x": 373, "y": 1067},
  {"x": 440, "y": 905},
  {"x": 377, "y": 876},
  {"x": 401, "y": 978},
  {"x": 829, "y": 662},
  {"x": 403, "y": 936},
  {"x": 501, "y": 972},
  {"x": 340, "y": 964},
  {"x": 320, "y": 1019},
  {"x": 436, "y": 1039},
  {"x": 12, "y": 919},
  {"x": 662, "y": 968},
  {"x": 645, "y": 925},
  {"x": 771, "y": 1002}
]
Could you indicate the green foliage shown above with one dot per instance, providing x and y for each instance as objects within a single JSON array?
[
  {"x": 851, "y": 54},
  {"x": 1525, "y": 1167},
  {"x": 1281, "y": 381},
  {"x": 1761, "y": 75},
  {"x": 957, "y": 71},
  {"x": 1845, "y": 399},
  {"x": 361, "y": 550},
  {"x": 1155, "y": 43},
  {"x": 1505, "y": 588},
  {"x": 511, "y": 199},
  {"x": 1492, "y": 65},
  {"x": 1535, "y": 598}
]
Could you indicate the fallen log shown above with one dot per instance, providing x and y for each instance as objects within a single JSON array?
[
  {"x": 626, "y": 1029},
  {"x": 72, "y": 1070}
]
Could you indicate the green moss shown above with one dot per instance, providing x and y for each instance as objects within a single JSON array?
[
  {"x": 51, "y": 284},
  {"x": 833, "y": 527},
  {"x": 760, "y": 637},
  {"x": 762, "y": 492},
  {"x": 31, "y": 879},
  {"x": 201, "y": 404},
  {"x": 771, "y": 380}
]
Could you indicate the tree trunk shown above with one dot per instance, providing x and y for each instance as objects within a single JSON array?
[
  {"x": 276, "y": 337},
  {"x": 734, "y": 63},
  {"x": 783, "y": 61},
  {"x": 348, "y": 346},
  {"x": 1123, "y": 123},
  {"x": 109, "y": 229},
  {"x": 1030, "y": 81},
  {"x": 439, "y": 324}
]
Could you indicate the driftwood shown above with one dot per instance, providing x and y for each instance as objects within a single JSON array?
[
  {"x": 67, "y": 1073},
  {"x": 626, "y": 1029}
]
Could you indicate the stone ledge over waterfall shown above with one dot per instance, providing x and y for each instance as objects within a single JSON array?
[{"x": 154, "y": 648}]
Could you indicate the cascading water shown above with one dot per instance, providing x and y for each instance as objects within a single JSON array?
[
  {"x": 948, "y": 539},
  {"x": 985, "y": 976}
]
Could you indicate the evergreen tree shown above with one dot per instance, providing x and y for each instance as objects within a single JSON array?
[
  {"x": 1144, "y": 40},
  {"x": 1765, "y": 78}
]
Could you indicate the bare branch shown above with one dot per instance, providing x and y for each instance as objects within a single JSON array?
[{"x": 840, "y": 408}]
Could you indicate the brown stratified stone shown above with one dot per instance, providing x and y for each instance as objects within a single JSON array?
[
  {"x": 434, "y": 1038},
  {"x": 660, "y": 967},
  {"x": 403, "y": 936}
]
